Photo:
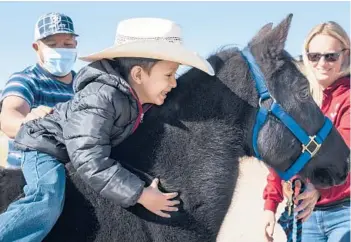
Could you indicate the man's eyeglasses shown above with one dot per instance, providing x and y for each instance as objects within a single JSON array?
[{"x": 329, "y": 57}]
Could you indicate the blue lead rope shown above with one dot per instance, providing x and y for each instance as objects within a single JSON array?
[{"x": 287, "y": 221}]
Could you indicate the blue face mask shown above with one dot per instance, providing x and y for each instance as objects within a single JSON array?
[{"x": 59, "y": 61}]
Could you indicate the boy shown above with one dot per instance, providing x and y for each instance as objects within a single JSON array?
[{"x": 107, "y": 107}]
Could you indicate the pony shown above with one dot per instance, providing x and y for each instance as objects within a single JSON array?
[{"x": 193, "y": 144}]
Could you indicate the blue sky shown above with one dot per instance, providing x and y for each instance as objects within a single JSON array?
[{"x": 206, "y": 25}]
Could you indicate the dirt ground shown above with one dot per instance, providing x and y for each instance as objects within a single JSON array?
[{"x": 243, "y": 222}]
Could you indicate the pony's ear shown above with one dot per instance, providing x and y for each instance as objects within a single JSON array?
[
  {"x": 275, "y": 40},
  {"x": 261, "y": 33},
  {"x": 269, "y": 46}
]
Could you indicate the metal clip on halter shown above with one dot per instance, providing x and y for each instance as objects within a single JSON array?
[{"x": 315, "y": 146}]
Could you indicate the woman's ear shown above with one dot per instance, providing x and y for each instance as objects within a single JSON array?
[
  {"x": 347, "y": 55},
  {"x": 346, "y": 60}
]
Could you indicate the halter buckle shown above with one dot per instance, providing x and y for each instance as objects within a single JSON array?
[
  {"x": 262, "y": 99},
  {"x": 315, "y": 146}
]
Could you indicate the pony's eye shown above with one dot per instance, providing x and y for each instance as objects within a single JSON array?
[{"x": 304, "y": 94}]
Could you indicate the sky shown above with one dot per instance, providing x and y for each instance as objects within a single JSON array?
[{"x": 206, "y": 26}]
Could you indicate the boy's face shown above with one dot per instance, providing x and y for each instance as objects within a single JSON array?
[{"x": 154, "y": 86}]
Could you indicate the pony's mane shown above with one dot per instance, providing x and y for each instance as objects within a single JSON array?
[{"x": 217, "y": 59}]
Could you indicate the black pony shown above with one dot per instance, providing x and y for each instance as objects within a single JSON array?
[{"x": 193, "y": 143}]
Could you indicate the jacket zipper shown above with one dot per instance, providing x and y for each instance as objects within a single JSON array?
[
  {"x": 140, "y": 114},
  {"x": 144, "y": 111},
  {"x": 140, "y": 117}
]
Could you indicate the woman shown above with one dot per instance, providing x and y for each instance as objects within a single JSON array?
[{"x": 325, "y": 212}]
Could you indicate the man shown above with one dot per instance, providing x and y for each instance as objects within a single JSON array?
[{"x": 31, "y": 93}]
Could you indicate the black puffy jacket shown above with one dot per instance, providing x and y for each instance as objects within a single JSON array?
[{"x": 103, "y": 112}]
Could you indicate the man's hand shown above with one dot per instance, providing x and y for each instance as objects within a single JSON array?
[
  {"x": 16, "y": 111},
  {"x": 156, "y": 201},
  {"x": 38, "y": 112}
]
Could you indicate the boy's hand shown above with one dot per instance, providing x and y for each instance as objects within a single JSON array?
[{"x": 156, "y": 201}]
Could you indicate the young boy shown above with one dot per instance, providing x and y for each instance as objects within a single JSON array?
[{"x": 106, "y": 108}]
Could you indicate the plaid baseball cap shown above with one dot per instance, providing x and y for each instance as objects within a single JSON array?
[{"x": 53, "y": 23}]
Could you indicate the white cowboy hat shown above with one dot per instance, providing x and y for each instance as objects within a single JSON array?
[{"x": 151, "y": 38}]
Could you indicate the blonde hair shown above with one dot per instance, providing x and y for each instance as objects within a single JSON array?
[{"x": 334, "y": 30}]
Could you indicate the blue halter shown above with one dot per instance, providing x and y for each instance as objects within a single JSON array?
[{"x": 310, "y": 144}]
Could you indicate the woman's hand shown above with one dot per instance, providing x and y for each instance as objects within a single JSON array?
[
  {"x": 309, "y": 199},
  {"x": 269, "y": 224}
]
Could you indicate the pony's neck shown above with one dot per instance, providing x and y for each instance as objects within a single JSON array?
[
  {"x": 235, "y": 74},
  {"x": 230, "y": 96}
]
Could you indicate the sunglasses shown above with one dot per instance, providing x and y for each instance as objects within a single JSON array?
[{"x": 329, "y": 57}]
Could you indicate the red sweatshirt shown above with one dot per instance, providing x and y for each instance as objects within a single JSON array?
[{"x": 336, "y": 106}]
